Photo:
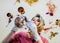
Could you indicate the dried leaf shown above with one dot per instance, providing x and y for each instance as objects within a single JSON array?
[{"x": 18, "y": 1}]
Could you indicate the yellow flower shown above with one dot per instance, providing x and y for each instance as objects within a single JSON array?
[{"x": 30, "y": 2}]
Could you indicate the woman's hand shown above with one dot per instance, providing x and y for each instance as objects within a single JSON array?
[{"x": 28, "y": 35}]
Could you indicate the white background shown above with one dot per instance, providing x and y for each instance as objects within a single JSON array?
[{"x": 30, "y": 11}]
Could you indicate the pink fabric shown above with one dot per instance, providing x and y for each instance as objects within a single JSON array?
[{"x": 22, "y": 38}]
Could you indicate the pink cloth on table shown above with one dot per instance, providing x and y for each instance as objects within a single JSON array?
[{"x": 21, "y": 37}]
